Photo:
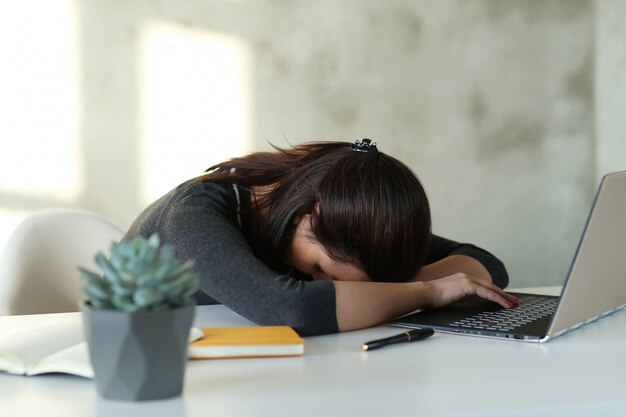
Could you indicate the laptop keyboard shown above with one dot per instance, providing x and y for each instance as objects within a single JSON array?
[{"x": 530, "y": 308}]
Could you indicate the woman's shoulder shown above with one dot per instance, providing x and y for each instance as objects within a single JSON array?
[
  {"x": 203, "y": 190},
  {"x": 222, "y": 198},
  {"x": 207, "y": 196},
  {"x": 190, "y": 201}
]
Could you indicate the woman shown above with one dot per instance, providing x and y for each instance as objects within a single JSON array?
[{"x": 323, "y": 237}]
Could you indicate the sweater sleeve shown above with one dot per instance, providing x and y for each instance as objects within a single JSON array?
[
  {"x": 200, "y": 221},
  {"x": 442, "y": 247}
]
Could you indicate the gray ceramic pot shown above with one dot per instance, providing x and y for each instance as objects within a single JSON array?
[{"x": 138, "y": 356}]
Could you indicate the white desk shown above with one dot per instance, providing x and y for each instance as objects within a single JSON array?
[{"x": 577, "y": 374}]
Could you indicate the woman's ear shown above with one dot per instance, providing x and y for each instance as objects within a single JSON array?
[
  {"x": 306, "y": 215},
  {"x": 302, "y": 224}
]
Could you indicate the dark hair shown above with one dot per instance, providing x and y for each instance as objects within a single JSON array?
[{"x": 373, "y": 211}]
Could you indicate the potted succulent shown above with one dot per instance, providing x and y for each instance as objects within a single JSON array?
[{"x": 137, "y": 317}]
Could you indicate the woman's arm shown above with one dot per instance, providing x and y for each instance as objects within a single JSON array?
[
  {"x": 447, "y": 257},
  {"x": 452, "y": 265},
  {"x": 454, "y": 271},
  {"x": 444, "y": 281},
  {"x": 365, "y": 304}
]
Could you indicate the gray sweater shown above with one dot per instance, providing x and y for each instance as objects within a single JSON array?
[{"x": 202, "y": 222}]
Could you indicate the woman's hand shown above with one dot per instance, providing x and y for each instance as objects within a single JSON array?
[{"x": 446, "y": 290}]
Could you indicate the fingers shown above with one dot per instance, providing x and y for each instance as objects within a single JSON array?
[
  {"x": 454, "y": 287},
  {"x": 500, "y": 297},
  {"x": 494, "y": 293},
  {"x": 491, "y": 292}
]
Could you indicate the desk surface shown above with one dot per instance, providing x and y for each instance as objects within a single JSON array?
[{"x": 578, "y": 374}]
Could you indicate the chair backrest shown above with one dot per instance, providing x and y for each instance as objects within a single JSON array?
[{"x": 39, "y": 264}]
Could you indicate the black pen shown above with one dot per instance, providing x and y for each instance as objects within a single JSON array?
[{"x": 408, "y": 336}]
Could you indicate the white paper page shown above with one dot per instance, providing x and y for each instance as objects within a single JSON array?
[
  {"x": 25, "y": 347},
  {"x": 73, "y": 360},
  {"x": 195, "y": 334}
]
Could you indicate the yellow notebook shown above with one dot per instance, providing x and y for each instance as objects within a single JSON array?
[{"x": 242, "y": 342}]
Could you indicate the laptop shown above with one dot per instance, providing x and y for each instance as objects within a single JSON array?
[{"x": 595, "y": 285}]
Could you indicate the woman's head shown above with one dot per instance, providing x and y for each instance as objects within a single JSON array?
[
  {"x": 363, "y": 207},
  {"x": 373, "y": 212}
]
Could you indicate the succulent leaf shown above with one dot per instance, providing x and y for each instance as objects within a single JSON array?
[
  {"x": 147, "y": 280},
  {"x": 107, "y": 269},
  {"x": 147, "y": 296},
  {"x": 124, "y": 303},
  {"x": 96, "y": 293},
  {"x": 123, "y": 291}
]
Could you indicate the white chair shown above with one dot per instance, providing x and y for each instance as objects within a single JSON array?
[{"x": 39, "y": 264}]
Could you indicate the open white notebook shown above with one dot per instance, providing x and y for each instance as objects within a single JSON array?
[{"x": 55, "y": 348}]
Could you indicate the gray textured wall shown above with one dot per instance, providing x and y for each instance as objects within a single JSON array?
[{"x": 506, "y": 109}]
